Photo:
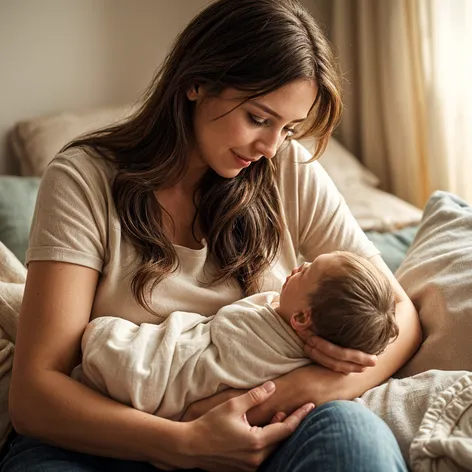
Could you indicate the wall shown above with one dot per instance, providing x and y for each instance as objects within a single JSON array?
[
  {"x": 64, "y": 55},
  {"x": 321, "y": 10},
  {"x": 60, "y": 55}
]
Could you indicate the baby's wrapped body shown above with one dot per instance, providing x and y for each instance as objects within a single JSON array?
[{"x": 161, "y": 369}]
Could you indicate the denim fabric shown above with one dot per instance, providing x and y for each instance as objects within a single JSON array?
[{"x": 339, "y": 436}]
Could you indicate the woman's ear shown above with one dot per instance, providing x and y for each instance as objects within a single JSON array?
[
  {"x": 301, "y": 320},
  {"x": 194, "y": 92}
]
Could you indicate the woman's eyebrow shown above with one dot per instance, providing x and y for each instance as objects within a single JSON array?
[{"x": 274, "y": 113}]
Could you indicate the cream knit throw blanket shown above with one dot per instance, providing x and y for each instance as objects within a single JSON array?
[
  {"x": 430, "y": 413},
  {"x": 12, "y": 284}
]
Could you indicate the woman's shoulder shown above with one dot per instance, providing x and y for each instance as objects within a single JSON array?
[
  {"x": 79, "y": 170},
  {"x": 295, "y": 172},
  {"x": 83, "y": 161},
  {"x": 74, "y": 210}
]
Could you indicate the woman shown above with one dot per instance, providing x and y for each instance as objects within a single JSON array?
[{"x": 198, "y": 199}]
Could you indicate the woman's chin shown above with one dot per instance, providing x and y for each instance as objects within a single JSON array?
[{"x": 228, "y": 173}]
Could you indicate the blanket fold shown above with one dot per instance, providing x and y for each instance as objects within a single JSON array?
[
  {"x": 12, "y": 285},
  {"x": 430, "y": 415},
  {"x": 444, "y": 439},
  {"x": 161, "y": 369}
]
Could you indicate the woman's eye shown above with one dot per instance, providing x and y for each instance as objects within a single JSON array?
[
  {"x": 256, "y": 120},
  {"x": 259, "y": 122}
]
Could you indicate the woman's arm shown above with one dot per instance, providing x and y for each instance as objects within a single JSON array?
[{"x": 46, "y": 403}]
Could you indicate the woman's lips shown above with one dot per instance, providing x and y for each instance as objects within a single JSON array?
[{"x": 243, "y": 161}]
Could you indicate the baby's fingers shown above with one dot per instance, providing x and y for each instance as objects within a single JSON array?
[
  {"x": 276, "y": 432},
  {"x": 278, "y": 417}
]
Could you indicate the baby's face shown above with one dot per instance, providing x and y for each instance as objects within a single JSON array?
[{"x": 297, "y": 287}]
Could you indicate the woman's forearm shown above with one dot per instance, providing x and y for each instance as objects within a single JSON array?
[
  {"x": 317, "y": 384},
  {"x": 60, "y": 411}
]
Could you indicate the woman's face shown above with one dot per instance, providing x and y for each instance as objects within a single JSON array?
[{"x": 229, "y": 141}]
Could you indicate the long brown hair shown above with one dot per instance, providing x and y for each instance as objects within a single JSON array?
[{"x": 255, "y": 46}]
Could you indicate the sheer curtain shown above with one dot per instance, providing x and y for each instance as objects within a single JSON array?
[
  {"x": 408, "y": 91},
  {"x": 446, "y": 38}
]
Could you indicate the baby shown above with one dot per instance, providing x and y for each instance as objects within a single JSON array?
[
  {"x": 161, "y": 369},
  {"x": 343, "y": 298}
]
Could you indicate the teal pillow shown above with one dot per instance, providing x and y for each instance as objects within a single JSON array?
[
  {"x": 393, "y": 245},
  {"x": 17, "y": 202}
]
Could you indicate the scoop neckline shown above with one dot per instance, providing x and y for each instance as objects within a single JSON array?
[{"x": 191, "y": 251}]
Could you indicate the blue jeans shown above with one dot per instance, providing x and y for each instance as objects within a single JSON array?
[{"x": 339, "y": 436}]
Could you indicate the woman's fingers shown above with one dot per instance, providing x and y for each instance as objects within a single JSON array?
[
  {"x": 200, "y": 407},
  {"x": 254, "y": 397},
  {"x": 333, "y": 364},
  {"x": 237, "y": 445},
  {"x": 336, "y": 365},
  {"x": 341, "y": 353}
]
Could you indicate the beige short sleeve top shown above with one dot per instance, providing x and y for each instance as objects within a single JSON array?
[{"x": 76, "y": 221}]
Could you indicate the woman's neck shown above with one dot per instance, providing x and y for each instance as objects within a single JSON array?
[{"x": 196, "y": 170}]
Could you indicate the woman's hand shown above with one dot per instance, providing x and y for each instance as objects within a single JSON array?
[
  {"x": 200, "y": 407},
  {"x": 222, "y": 439},
  {"x": 337, "y": 358}
]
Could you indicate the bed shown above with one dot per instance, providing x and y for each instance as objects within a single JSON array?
[{"x": 428, "y": 404}]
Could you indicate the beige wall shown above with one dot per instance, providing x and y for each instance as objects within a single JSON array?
[
  {"x": 72, "y": 54},
  {"x": 321, "y": 10}
]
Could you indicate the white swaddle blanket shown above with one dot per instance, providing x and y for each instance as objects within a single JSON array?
[{"x": 161, "y": 369}]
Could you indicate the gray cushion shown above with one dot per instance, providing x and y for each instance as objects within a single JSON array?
[{"x": 437, "y": 275}]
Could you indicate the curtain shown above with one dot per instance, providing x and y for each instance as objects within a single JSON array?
[
  {"x": 407, "y": 93},
  {"x": 447, "y": 62}
]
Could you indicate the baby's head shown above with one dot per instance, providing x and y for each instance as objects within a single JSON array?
[{"x": 343, "y": 298}]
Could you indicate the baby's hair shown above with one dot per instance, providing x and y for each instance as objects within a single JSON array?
[{"x": 354, "y": 306}]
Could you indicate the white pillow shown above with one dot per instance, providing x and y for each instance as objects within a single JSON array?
[
  {"x": 36, "y": 141},
  {"x": 437, "y": 275},
  {"x": 373, "y": 209},
  {"x": 341, "y": 165}
]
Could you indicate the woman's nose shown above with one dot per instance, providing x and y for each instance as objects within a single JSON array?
[
  {"x": 270, "y": 152},
  {"x": 268, "y": 145}
]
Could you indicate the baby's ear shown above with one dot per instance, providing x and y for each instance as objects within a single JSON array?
[{"x": 301, "y": 320}]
